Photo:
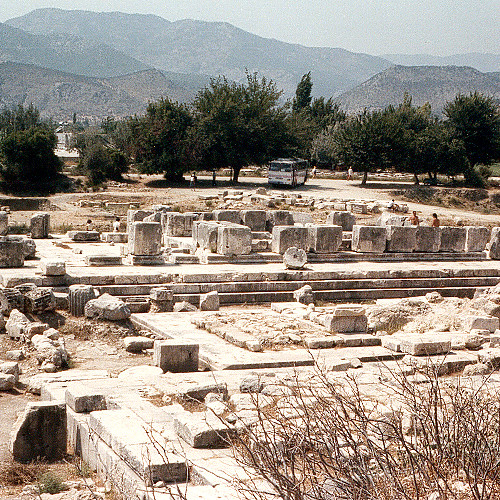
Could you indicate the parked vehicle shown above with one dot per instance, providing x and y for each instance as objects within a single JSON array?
[{"x": 288, "y": 171}]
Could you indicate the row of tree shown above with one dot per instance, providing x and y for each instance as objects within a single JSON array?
[{"x": 232, "y": 125}]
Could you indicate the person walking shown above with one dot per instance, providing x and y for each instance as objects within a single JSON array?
[
  {"x": 116, "y": 225},
  {"x": 313, "y": 171},
  {"x": 192, "y": 181},
  {"x": 350, "y": 174},
  {"x": 214, "y": 178}
]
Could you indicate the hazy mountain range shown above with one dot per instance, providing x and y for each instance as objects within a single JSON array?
[{"x": 114, "y": 63}]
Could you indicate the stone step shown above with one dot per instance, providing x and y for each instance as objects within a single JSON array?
[{"x": 289, "y": 286}]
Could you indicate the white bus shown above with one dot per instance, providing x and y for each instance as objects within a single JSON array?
[{"x": 288, "y": 171}]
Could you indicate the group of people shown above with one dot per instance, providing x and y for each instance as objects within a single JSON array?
[{"x": 415, "y": 221}]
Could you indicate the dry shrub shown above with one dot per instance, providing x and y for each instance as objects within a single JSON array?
[{"x": 16, "y": 474}]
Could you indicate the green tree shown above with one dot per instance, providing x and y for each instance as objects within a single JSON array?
[
  {"x": 101, "y": 163},
  {"x": 239, "y": 124},
  {"x": 475, "y": 121},
  {"x": 27, "y": 158},
  {"x": 159, "y": 140},
  {"x": 302, "y": 99}
]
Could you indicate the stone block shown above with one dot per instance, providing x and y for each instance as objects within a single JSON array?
[
  {"x": 137, "y": 344},
  {"x": 176, "y": 356},
  {"x": 161, "y": 293},
  {"x": 285, "y": 237},
  {"x": 205, "y": 235},
  {"x": 209, "y": 301},
  {"x": 203, "y": 430},
  {"x": 136, "y": 216},
  {"x": 493, "y": 246},
  {"x": 401, "y": 239},
  {"x": 16, "y": 324},
  {"x": 227, "y": 216},
  {"x": 278, "y": 218},
  {"x": 40, "y": 225},
  {"x": 137, "y": 304},
  {"x": 145, "y": 238},
  {"x": 345, "y": 324},
  {"x": 11, "y": 298},
  {"x": 349, "y": 310},
  {"x": 40, "y": 433},
  {"x": 83, "y": 399},
  {"x": 422, "y": 345},
  {"x": 103, "y": 260},
  {"x": 453, "y": 239},
  {"x": 357, "y": 208},
  {"x": 39, "y": 300},
  {"x": 4, "y": 223},
  {"x": 304, "y": 295},
  {"x": 178, "y": 224},
  {"x": 427, "y": 239},
  {"x": 490, "y": 323},
  {"x": 234, "y": 239},
  {"x": 369, "y": 239},
  {"x": 7, "y": 381},
  {"x": 83, "y": 235},
  {"x": 107, "y": 307},
  {"x": 254, "y": 219},
  {"x": 53, "y": 267},
  {"x": 11, "y": 252},
  {"x": 391, "y": 219},
  {"x": 344, "y": 219},
  {"x": 303, "y": 218},
  {"x": 294, "y": 258},
  {"x": 114, "y": 237},
  {"x": 477, "y": 238},
  {"x": 325, "y": 239}
]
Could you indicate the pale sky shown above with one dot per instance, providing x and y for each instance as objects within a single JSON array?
[{"x": 437, "y": 27}]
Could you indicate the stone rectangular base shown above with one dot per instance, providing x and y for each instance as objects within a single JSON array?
[
  {"x": 176, "y": 356},
  {"x": 83, "y": 235},
  {"x": 145, "y": 260},
  {"x": 103, "y": 260}
]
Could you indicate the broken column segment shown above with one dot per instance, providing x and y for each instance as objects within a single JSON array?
[
  {"x": 78, "y": 296},
  {"x": 40, "y": 225},
  {"x": 294, "y": 258},
  {"x": 370, "y": 239}
]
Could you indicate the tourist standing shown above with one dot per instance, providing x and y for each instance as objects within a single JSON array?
[
  {"x": 414, "y": 220},
  {"x": 116, "y": 225},
  {"x": 350, "y": 174},
  {"x": 435, "y": 221}
]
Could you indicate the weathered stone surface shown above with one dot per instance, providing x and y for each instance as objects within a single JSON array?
[
  {"x": 176, "y": 356},
  {"x": 357, "y": 208},
  {"x": 53, "y": 267},
  {"x": 15, "y": 355},
  {"x": 493, "y": 246},
  {"x": 227, "y": 216},
  {"x": 452, "y": 239},
  {"x": 285, "y": 237},
  {"x": 4, "y": 223},
  {"x": 39, "y": 300},
  {"x": 11, "y": 252},
  {"x": 40, "y": 433},
  {"x": 303, "y": 218},
  {"x": 304, "y": 295},
  {"x": 83, "y": 235},
  {"x": 424, "y": 345},
  {"x": 137, "y": 343},
  {"x": 137, "y": 304},
  {"x": 145, "y": 238},
  {"x": 234, "y": 239},
  {"x": 107, "y": 307},
  {"x": 322, "y": 342},
  {"x": 391, "y": 219},
  {"x": 203, "y": 431},
  {"x": 40, "y": 225},
  {"x": 50, "y": 352},
  {"x": 344, "y": 219},
  {"x": 278, "y": 218},
  {"x": 401, "y": 239},
  {"x": 324, "y": 239},
  {"x": 136, "y": 216},
  {"x": 114, "y": 237},
  {"x": 251, "y": 384},
  {"x": 199, "y": 391},
  {"x": 489, "y": 323},
  {"x": 184, "y": 306},
  {"x": 16, "y": 324},
  {"x": 254, "y": 219},
  {"x": 205, "y": 234},
  {"x": 477, "y": 238},
  {"x": 162, "y": 299},
  {"x": 345, "y": 324},
  {"x": 7, "y": 381},
  {"x": 11, "y": 298},
  {"x": 476, "y": 369},
  {"x": 427, "y": 239},
  {"x": 294, "y": 258},
  {"x": 209, "y": 301},
  {"x": 78, "y": 296},
  {"x": 370, "y": 239},
  {"x": 83, "y": 399},
  {"x": 177, "y": 224}
]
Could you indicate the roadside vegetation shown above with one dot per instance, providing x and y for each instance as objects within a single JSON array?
[{"x": 233, "y": 125}]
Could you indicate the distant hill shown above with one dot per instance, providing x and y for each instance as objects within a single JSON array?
[
  {"x": 58, "y": 95},
  {"x": 65, "y": 53},
  {"x": 482, "y": 62},
  {"x": 436, "y": 85},
  {"x": 210, "y": 48}
]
